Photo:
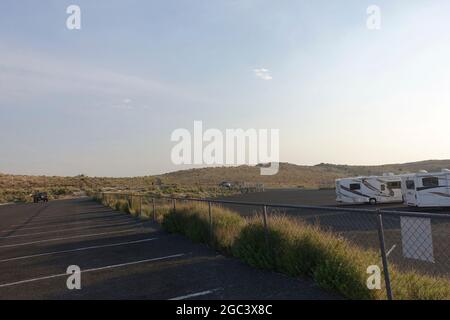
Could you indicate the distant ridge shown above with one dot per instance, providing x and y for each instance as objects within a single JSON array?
[
  {"x": 292, "y": 175},
  {"x": 289, "y": 176}
]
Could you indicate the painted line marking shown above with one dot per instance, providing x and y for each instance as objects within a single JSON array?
[
  {"x": 48, "y": 220},
  {"x": 57, "y": 225},
  {"x": 6, "y": 204},
  {"x": 92, "y": 270},
  {"x": 65, "y": 238},
  {"x": 197, "y": 294},
  {"x": 78, "y": 249},
  {"x": 72, "y": 229}
]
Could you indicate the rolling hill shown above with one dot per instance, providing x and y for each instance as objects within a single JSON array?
[{"x": 291, "y": 175}]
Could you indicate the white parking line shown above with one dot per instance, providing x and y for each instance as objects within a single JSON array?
[
  {"x": 65, "y": 238},
  {"x": 78, "y": 249},
  {"x": 73, "y": 229},
  {"x": 46, "y": 225},
  {"x": 91, "y": 270},
  {"x": 45, "y": 220},
  {"x": 197, "y": 294}
]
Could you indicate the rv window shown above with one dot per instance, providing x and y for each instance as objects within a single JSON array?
[
  {"x": 383, "y": 187},
  {"x": 430, "y": 182},
  {"x": 355, "y": 186},
  {"x": 394, "y": 185},
  {"x": 410, "y": 185}
]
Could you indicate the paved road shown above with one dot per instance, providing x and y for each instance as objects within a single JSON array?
[
  {"x": 325, "y": 198},
  {"x": 121, "y": 257}
]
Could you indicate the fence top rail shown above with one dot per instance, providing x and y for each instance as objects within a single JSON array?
[{"x": 294, "y": 206}]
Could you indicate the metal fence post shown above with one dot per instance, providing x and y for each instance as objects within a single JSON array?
[
  {"x": 130, "y": 202},
  {"x": 174, "y": 201},
  {"x": 140, "y": 205},
  {"x": 211, "y": 235},
  {"x": 266, "y": 230},
  {"x": 387, "y": 278},
  {"x": 154, "y": 209}
]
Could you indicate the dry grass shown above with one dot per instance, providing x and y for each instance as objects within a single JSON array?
[
  {"x": 20, "y": 188},
  {"x": 192, "y": 220}
]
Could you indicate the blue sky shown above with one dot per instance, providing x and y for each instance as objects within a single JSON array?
[{"x": 104, "y": 100}]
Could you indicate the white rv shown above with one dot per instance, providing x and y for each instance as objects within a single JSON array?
[
  {"x": 371, "y": 189},
  {"x": 424, "y": 189}
]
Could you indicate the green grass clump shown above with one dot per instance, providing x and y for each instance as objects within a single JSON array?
[
  {"x": 192, "y": 220},
  {"x": 415, "y": 286},
  {"x": 121, "y": 205},
  {"x": 299, "y": 249}
]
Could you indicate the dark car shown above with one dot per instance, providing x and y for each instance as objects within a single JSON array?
[
  {"x": 226, "y": 184},
  {"x": 40, "y": 196}
]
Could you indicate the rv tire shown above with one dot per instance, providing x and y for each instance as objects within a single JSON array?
[{"x": 372, "y": 201}]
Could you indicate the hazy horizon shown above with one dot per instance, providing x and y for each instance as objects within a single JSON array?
[
  {"x": 183, "y": 168},
  {"x": 104, "y": 100}
]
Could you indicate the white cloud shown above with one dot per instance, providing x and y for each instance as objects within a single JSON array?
[
  {"x": 263, "y": 74},
  {"x": 122, "y": 106},
  {"x": 125, "y": 104}
]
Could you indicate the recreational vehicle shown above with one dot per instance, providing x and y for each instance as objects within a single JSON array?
[
  {"x": 371, "y": 189},
  {"x": 424, "y": 189}
]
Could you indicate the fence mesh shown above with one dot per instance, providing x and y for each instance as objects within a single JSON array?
[{"x": 418, "y": 250}]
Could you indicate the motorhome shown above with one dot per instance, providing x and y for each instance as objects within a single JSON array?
[
  {"x": 369, "y": 189},
  {"x": 427, "y": 189}
]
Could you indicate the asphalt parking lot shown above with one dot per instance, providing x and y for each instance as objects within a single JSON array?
[
  {"x": 121, "y": 257},
  {"x": 325, "y": 197}
]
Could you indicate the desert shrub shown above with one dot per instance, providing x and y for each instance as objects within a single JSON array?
[
  {"x": 299, "y": 249},
  {"x": 415, "y": 286},
  {"x": 59, "y": 191},
  {"x": 227, "y": 225},
  {"x": 189, "y": 221},
  {"x": 122, "y": 205},
  {"x": 343, "y": 269},
  {"x": 192, "y": 220},
  {"x": 250, "y": 246}
]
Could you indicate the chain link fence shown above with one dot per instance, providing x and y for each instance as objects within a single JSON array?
[{"x": 410, "y": 249}]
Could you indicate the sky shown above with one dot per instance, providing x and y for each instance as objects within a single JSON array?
[{"x": 104, "y": 100}]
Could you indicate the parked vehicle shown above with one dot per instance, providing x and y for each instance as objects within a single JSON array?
[
  {"x": 424, "y": 189},
  {"x": 226, "y": 184},
  {"x": 369, "y": 189},
  {"x": 40, "y": 196}
]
